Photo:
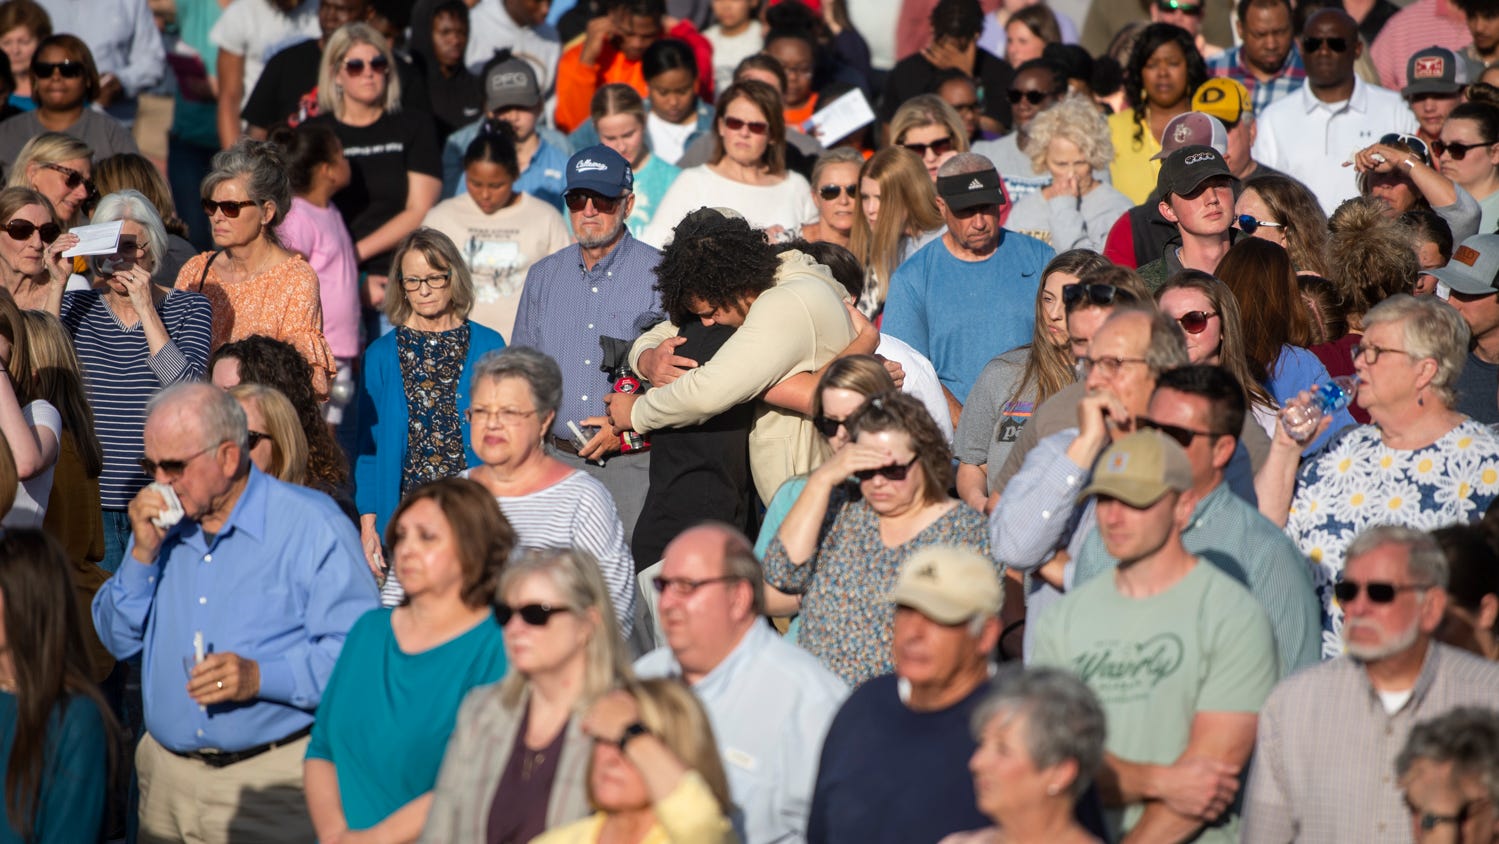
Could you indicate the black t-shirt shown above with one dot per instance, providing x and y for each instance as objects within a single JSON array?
[
  {"x": 454, "y": 101},
  {"x": 287, "y": 88},
  {"x": 915, "y": 75},
  {"x": 380, "y": 155}
]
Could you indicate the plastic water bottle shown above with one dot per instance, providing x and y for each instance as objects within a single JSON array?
[{"x": 1300, "y": 419}]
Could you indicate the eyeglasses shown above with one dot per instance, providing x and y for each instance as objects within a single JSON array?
[
  {"x": 685, "y": 586},
  {"x": 1312, "y": 45},
  {"x": 1195, "y": 322},
  {"x": 69, "y": 69},
  {"x": 1379, "y": 592},
  {"x": 22, "y": 230},
  {"x": 1249, "y": 225},
  {"x": 1456, "y": 151},
  {"x": 258, "y": 437},
  {"x": 1035, "y": 98},
  {"x": 1108, "y": 366},
  {"x": 378, "y": 64},
  {"x": 1415, "y": 144},
  {"x": 230, "y": 207},
  {"x": 506, "y": 416},
  {"x": 830, "y": 192},
  {"x": 172, "y": 468},
  {"x": 827, "y": 426},
  {"x": 893, "y": 472},
  {"x": 1183, "y": 436},
  {"x": 578, "y": 200},
  {"x": 71, "y": 178},
  {"x": 536, "y": 615},
  {"x": 941, "y": 146},
  {"x": 1370, "y": 352},
  {"x": 1099, "y": 295},
  {"x": 1177, "y": 6},
  {"x": 756, "y": 127},
  {"x": 436, "y": 281},
  {"x": 1431, "y": 820}
]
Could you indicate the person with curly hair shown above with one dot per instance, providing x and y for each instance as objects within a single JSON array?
[
  {"x": 1070, "y": 141},
  {"x": 1164, "y": 71}
]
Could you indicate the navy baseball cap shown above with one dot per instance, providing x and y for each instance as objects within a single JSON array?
[{"x": 601, "y": 170}]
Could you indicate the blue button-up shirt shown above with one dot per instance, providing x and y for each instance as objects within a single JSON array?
[
  {"x": 565, "y": 308},
  {"x": 282, "y": 583}
]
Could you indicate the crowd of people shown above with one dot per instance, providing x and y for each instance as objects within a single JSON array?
[{"x": 642, "y": 421}]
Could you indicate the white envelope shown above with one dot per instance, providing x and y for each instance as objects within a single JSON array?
[{"x": 100, "y": 239}]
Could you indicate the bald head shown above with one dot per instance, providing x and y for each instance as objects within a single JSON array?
[
  {"x": 712, "y": 595},
  {"x": 201, "y": 411}
]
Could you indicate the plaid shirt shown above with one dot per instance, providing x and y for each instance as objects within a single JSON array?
[{"x": 1292, "y": 75}]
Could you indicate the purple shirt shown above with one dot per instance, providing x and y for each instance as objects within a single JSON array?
[{"x": 323, "y": 239}]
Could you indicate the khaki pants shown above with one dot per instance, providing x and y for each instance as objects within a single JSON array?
[{"x": 259, "y": 799}]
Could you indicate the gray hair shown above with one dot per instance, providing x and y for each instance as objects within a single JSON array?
[
  {"x": 265, "y": 172},
  {"x": 1432, "y": 330},
  {"x": 1063, "y": 718},
  {"x": 133, "y": 205},
  {"x": 964, "y": 163},
  {"x": 1168, "y": 345},
  {"x": 1424, "y": 558},
  {"x": 1074, "y": 119},
  {"x": 539, "y": 371},
  {"x": 219, "y": 415},
  {"x": 1468, "y": 737},
  {"x": 329, "y": 93},
  {"x": 836, "y": 155}
]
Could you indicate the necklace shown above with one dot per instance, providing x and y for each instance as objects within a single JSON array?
[{"x": 531, "y": 762}]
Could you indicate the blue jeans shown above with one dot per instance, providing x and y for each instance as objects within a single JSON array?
[{"x": 117, "y": 536}]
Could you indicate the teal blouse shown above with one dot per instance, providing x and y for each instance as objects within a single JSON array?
[{"x": 72, "y": 793}]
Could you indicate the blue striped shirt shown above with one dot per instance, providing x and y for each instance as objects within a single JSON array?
[{"x": 121, "y": 375}]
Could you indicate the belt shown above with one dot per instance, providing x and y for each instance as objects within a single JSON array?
[
  {"x": 563, "y": 445},
  {"x": 220, "y": 759}
]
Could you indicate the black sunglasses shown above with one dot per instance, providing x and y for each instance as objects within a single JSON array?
[
  {"x": 578, "y": 200},
  {"x": 1183, "y": 436},
  {"x": 173, "y": 468},
  {"x": 893, "y": 472},
  {"x": 1379, "y": 592},
  {"x": 941, "y": 146},
  {"x": 827, "y": 426},
  {"x": 68, "y": 68},
  {"x": 22, "y": 230},
  {"x": 1456, "y": 151},
  {"x": 1312, "y": 45},
  {"x": 536, "y": 615},
  {"x": 830, "y": 192},
  {"x": 230, "y": 207},
  {"x": 1035, "y": 98},
  {"x": 756, "y": 127},
  {"x": 1413, "y": 143},
  {"x": 1100, "y": 295},
  {"x": 1193, "y": 9},
  {"x": 72, "y": 178},
  {"x": 1249, "y": 225},
  {"x": 1195, "y": 322},
  {"x": 378, "y": 64},
  {"x": 258, "y": 437}
]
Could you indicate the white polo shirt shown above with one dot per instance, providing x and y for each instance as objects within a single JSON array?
[{"x": 1309, "y": 139}]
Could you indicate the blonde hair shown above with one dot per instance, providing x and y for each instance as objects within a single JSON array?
[
  {"x": 908, "y": 207},
  {"x": 1075, "y": 119},
  {"x": 288, "y": 440},
  {"x": 674, "y": 715},
  {"x": 46, "y": 148},
  {"x": 57, "y": 376},
  {"x": 133, "y": 171},
  {"x": 928, "y": 110},
  {"x": 441, "y": 254},
  {"x": 330, "y": 98}
]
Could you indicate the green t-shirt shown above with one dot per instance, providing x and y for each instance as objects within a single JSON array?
[{"x": 1203, "y": 645}]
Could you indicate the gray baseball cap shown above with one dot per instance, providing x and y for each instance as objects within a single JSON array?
[{"x": 1474, "y": 268}]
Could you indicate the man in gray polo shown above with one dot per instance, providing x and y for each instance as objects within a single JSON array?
[{"x": 1473, "y": 277}]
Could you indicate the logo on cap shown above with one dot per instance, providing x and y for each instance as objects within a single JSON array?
[
  {"x": 1119, "y": 462},
  {"x": 1199, "y": 157},
  {"x": 1182, "y": 133},
  {"x": 928, "y": 572},
  {"x": 1465, "y": 255},
  {"x": 975, "y": 185},
  {"x": 507, "y": 80},
  {"x": 588, "y": 164},
  {"x": 1428, "y": 67}
]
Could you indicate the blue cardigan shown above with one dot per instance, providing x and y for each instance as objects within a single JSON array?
[{"x": 382, "y": 421}]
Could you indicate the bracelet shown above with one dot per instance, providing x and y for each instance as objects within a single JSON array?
[{"x": 1409, "y": 164}]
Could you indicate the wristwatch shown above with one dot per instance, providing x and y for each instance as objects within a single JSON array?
[{"x": 635, "y": 729}]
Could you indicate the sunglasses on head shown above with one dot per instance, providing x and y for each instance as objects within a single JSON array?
[
  {"x": 536, "y": 615},
  {"x": 941, "y": 146},
  {"x": 756, "y": 127},
  {"x": 1193, "y": 9},
  {"x": 1195, "y": 322},
  {"x": 827, "y": 426},
  {"x": 68, "y": 68},
  {"x": 72, "y": 178},
  {"x": 1100, "y": 295},
  {"x": 1312, "y": 45},
  {"x": 22, "y": 230},
  {"x": 378, "y": 64},
  {"x": 230, "y": 207},
  {"x": 893, "y": 472},
  {"x": 1035, "y": 98},
  {"x": 1411, "y": 142},
  {"x": 1183, "y": 436},
  {"x": 578, "y": 200},
  {"x": 1249, "y": 225},
  {"x": 1379, "y": 592},
  {"x": 830, "y": 192},
  {"x": 1454, "y": 150}
]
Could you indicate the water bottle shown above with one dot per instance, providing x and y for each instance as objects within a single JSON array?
[{"x": 1300, "y": 419}]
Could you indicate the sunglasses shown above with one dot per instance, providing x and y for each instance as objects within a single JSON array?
[
  {"x": 1415, "y": 144},
  {"x": 69, "y": 69},
  {"x": 1456, "y": 151},
  {"x": 941, "y": 146},
  {"x": 578, "y": 200},
  {"x": 1099, "y": 295},
  {"x": 1176, "y": 6},
  {"x": 536, "y": 615},
  {"x": 171, "y": 468},
  {"x": 378, "y": 64},
  {"x": 1035, "y": 98},
  {"x": 830, "y": 192},
  {"x": 893, "y": 472},
  {"x": 1312, "y": 45},
  {"x": 1249, "y": 225},
  {"x": 230, "y": 207},
  {"x": 72, "y": 178},
  {"x": 756, "y": 127},
  {"x": 258, "y": 437},
  {"x": 827, "y": 426},
  {"x": 22, "y": 230},
  {"x": 1379, "y": 592},
  {"x": 1195, "y": 322},
  {"x": 1183, "y": 436}
]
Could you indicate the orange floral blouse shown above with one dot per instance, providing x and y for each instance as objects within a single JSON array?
[{"x": 282, "y": 302}]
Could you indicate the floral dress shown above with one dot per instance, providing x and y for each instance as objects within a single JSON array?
[
  {"x": 431, "y": 369},
  {"x": 1358, "y": 482},
  {"x": 847, "y": 615}
]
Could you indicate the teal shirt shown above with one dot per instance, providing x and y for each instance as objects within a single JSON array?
[
  {"x": 651, "y": 182},
  {"x": 72, "y": 793},
  {"x": 386, "y": 714}
]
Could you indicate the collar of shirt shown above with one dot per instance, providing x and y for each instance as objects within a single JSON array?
[
  {"x": 248, "y": 515},
  {"x": 718, "y": 680},
  {"x": 605, "y": 264},
  {"x": 1358, "y": 101},
  {"x": 1429, "y": 667},
  {"x": 1210, "y": 504}
]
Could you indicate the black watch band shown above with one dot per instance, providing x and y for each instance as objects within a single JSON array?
[{"x": 635, "y": 729}]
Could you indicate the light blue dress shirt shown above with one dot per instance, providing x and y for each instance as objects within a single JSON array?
[{"x": 282, "y": 584}]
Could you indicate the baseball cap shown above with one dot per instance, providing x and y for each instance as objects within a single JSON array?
[
  {"x": 1474, "y": 268},
  {"x": 1435, "y": 70},
  {"x": 1188, "y": 167},
  {"x": 511, "y": 82},
  {"x": 948, "y": 584},
  {"x": 1192, "y": 128},
  {"x": 601, "y": 170},
  {"x": 1223, "y": 98},
  {"x": 1140, "y": 468},
  {"x": 968, "y": 190}
]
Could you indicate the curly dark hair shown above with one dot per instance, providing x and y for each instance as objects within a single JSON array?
[
  {"x": 896, "y": 411},
  {"x": 714, "y": 260},
  {"x": 274, "y": 363},
  {"x": 1154, "y": 37}
]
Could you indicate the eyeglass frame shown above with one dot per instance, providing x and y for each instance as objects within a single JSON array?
[
  {"x": 1109, "y": 365},
  {"x": 173, "y": 468},
  {"x": 429, "y": 280},
  {"x": 506, "y": 416},
  {"x": 1371, "y": 353},
  {"x": 686, "y": 587}
]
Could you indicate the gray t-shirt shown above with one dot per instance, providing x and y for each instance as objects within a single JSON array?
[
  {"x": 992, "y": 419},
  {"x": 103, "y": 134}
]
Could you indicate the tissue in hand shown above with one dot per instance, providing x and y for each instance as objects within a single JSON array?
[{"x": 174, "y": 512}]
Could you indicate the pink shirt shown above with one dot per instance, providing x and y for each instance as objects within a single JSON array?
[
  {"x": 1425, "y": 23},
  {"x": 320, "y": 235}
]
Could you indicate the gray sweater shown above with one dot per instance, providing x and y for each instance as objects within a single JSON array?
[{"x": 1070, "y": 223}]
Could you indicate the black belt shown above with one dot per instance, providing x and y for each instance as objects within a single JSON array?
[{"x": 220, "y": 759}]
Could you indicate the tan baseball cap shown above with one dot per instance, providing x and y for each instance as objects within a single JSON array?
[
  {"x": 1140, "y": 468},
  {"x": 949, "y": 584}
]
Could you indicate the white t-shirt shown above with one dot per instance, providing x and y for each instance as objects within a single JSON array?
[
  {"x": 788, "y": 203},
  {"x": 668, "y": 140},
  {"x": 257, "y": 30},
  {"x": 32, "y": 494},
  {"x": 730, "y": 50}
]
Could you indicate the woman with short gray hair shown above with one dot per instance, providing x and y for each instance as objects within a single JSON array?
[{"x": 255, "y": 284}]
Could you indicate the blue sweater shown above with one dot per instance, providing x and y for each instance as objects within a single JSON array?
[
  {"x": 71, "y": 808},
  {"x": 383, "y": 420}
]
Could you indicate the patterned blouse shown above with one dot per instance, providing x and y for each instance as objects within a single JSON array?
[
  {"x": 281, "y": 302},
  {"x": 431, "y": 369},
  {"x": 847, "y": 616},
  {"x": 1358, "y": 482}
]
